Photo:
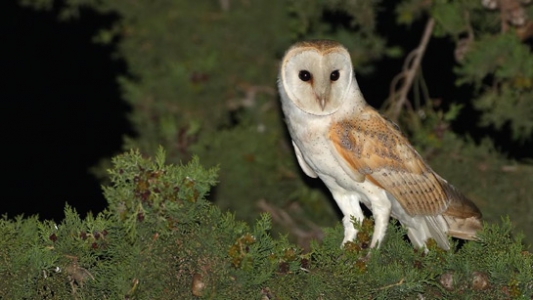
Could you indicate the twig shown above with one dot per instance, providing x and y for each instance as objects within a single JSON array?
[
  {"x": 392, "y": 285},
  {"x": 411, "y": 66}
]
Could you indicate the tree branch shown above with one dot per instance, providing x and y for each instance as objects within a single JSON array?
[{"x": 411, "y": 66}]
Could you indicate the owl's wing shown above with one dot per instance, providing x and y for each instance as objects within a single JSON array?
[
  {"x": 375, "y": 148},
  {"x": 305, "y": 167}
]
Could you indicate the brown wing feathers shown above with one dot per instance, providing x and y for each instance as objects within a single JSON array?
[
  {"x": 375, "y": 148},
  {"x": 463, "y": 216}
]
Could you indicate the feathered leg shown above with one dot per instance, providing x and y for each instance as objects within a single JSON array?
[
  {"x": 381, "y": 209},
  {"x": 350, "y": 206}
]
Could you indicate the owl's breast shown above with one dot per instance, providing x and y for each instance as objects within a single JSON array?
[
  {"x": 312, "y": 139},
  {"x": 311, "y": 136}
]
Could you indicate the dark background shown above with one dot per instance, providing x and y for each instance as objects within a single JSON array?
[{"x": 61, "y": 110}]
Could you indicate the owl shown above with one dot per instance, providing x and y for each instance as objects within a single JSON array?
[{"x": 362, "y": 157}]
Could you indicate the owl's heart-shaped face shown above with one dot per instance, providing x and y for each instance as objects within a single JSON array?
[{"x": 317, "y": 81}]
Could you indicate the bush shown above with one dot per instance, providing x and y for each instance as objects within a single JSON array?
[{"x": 160, "y": 239}]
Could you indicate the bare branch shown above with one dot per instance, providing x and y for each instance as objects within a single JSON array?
[{"x": 411, "y": 66}]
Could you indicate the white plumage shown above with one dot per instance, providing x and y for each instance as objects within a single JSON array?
[{"x": 362, "y": 157}]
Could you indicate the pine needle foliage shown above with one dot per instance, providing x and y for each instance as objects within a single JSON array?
[{"x": 161, "y": 239}]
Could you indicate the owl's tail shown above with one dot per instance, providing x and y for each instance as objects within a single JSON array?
[
  {"x": 428, "y": 227},
  {"x": 461, "y": 219},
  {"x": 462, "y": 215}
]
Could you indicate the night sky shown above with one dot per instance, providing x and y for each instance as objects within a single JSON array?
[{"x": 61, "y": 110}]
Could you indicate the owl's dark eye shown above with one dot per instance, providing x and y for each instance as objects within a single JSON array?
[
  {"x": 334, "y": 76},
  {"x": 304, "y": 75}
]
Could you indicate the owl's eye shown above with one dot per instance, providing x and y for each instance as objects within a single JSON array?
[
  {"x": 304, "y": 75},
  {"x": 334, "y": 76}
]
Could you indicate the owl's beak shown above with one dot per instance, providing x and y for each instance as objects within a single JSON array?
[
  {"x": 322, "y": 103},
  {"x": 322, "y": 96}
]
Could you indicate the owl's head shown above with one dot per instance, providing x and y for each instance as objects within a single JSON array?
[{"x": 316, "y": 76}]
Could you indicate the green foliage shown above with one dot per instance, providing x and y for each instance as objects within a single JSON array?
[
  {"x": 201, "y": 83},
  {"x": 153, "y": 207},
  {"x": 160, "y": 239},
  {"x": 509, "y": 63},
  {"x": 492, "y": 53},
  {"x": 494, "y": 59}
]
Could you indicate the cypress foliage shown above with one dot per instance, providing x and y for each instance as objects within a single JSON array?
[
  {"x": 201, "y": 83},
  {"x": 161, "y": 239}
]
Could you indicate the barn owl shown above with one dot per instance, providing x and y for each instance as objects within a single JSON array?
[{"x": 362, "y": 157}]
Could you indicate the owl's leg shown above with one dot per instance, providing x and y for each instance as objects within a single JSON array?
[
  {"x": 349, "y": 205},
  {"x": 381, "y": 209}
]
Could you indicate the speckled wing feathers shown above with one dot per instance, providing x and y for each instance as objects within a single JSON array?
[
  {"x": 359, "y": 155},
  {"x": 375, "y": 147}
]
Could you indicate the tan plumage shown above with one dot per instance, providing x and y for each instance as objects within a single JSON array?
[{"x": 362, "y": 157}]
